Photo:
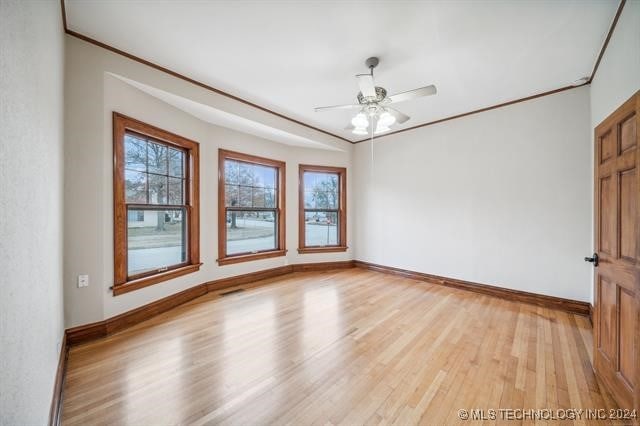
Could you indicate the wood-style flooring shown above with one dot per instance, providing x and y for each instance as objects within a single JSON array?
[{"x": 345, "y": 347}]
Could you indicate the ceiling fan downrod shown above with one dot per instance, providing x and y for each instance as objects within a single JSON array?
[{"x": 371, "y": 63}]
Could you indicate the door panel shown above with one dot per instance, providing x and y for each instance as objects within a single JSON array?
[
  {"x": 607, "y": 147},
  {"x": 627, "y": 310},
  {"x": 617, "y": 234},
  {"x": 608, "y": 215},
  {"x": 628, "y": 206},
  {"x": 628, "y": 137},
  {"x": 608, "y": 296}
]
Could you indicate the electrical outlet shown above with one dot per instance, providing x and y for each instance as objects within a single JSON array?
[{"x": 83, "y": 281}]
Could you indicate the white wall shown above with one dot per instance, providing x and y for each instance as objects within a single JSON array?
[
  {"x": 89, "y": 219},
  {"x": 501, "y": 197},
  {"x": 31, "y": 141}
]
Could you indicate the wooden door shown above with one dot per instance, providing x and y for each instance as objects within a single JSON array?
[{"x": 617, "y": 240}]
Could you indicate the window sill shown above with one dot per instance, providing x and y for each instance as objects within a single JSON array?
[
  {"x": 329, "y": 249},
  {"x": 154, "y": 279},
  {"x": 249, "y": 257}
]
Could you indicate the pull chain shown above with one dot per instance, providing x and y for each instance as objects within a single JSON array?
[{"x": 372, "y": 127}]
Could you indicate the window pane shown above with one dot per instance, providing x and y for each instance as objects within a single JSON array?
[
  {"x": 135, "y": 153},
  {"x": 135, "y": 187},
  {"x": 246, "y": 173},
  {"x": 256, "y": 185},
  {"x": 330, "y": 199},
  {"x": 157, "y": 189},
  {"x": 256, "y": 176},
  {"x": 157, "y": 241},
  {"x": 270, "y": 198},
  {"x": 258, "y": 197},
  {"x": 245, "y": 198},
  {"x": 157, "y": 158},
  {"x": 176, "y": 163},
  {"x": 321, "y": 228},
  {"x": 135, "y": 215},
  {"x": 266, "y": 176},
  {"x": 321, "y": 200},
  {"x": 323, "y": 181},
  {"x": 176, "y": 191},
  {"x": 249, "y": 232},
  {"x": 231, "y": 171},
  {"x": 231, "y": 195},
  {"x": 309, "y": 200},
  {"x": 321, "y": 190},
  {"x": 309, "y": 180}
]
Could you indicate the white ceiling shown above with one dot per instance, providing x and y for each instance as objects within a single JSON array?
[{"x": 293, "y": 56}]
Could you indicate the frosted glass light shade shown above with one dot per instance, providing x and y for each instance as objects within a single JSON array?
[
  {"x": 386, "y": 119},
  {"x": 360, "y": 120}
]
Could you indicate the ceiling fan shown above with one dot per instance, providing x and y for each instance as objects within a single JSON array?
[{"x": 373, "y": 104}]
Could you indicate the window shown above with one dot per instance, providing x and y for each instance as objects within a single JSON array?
[
  {"x": 323, "y": 209},
  {"x": 251, "y": 220},
  {"x": 135, "y": 216},
  {"x": 156, "y": 218}
]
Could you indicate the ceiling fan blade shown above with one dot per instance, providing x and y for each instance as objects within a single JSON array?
[
  {"x": 367, "y": 86},
  {"x": 329, "y": 108},
  {"x": 400, "y": 117},
  {"x": 412, "y": 94}
]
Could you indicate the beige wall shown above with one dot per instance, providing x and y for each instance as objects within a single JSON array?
[
  {"x": 92, "y": 94},
  {"x": 31, "y": 168},
  {"x": 502, "y": 197}
]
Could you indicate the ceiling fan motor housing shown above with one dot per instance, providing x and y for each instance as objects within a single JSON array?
[{"x": 381, "y": 93}]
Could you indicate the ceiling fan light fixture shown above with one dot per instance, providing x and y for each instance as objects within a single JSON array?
[
  {"x": 360, "y": 121},
  {"x": 372, "y": 110},
  {"x": 386, "y": 119}
]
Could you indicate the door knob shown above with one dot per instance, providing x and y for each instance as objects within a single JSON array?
[{"x": 593, "y": 259}]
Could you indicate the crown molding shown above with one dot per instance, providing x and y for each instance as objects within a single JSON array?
[{"x": 612, "y": 27}]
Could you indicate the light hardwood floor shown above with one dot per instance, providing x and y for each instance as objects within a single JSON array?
[{"x": 344, "y": 347}]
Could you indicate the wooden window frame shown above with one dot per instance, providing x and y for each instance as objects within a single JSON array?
[
  {"x": 342, "y": 210},
  {"x": 123, "y": 283},
  {"x": 223, "y": 258}
]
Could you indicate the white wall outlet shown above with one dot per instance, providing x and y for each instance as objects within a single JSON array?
[{"x": 83, "y": 281}]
